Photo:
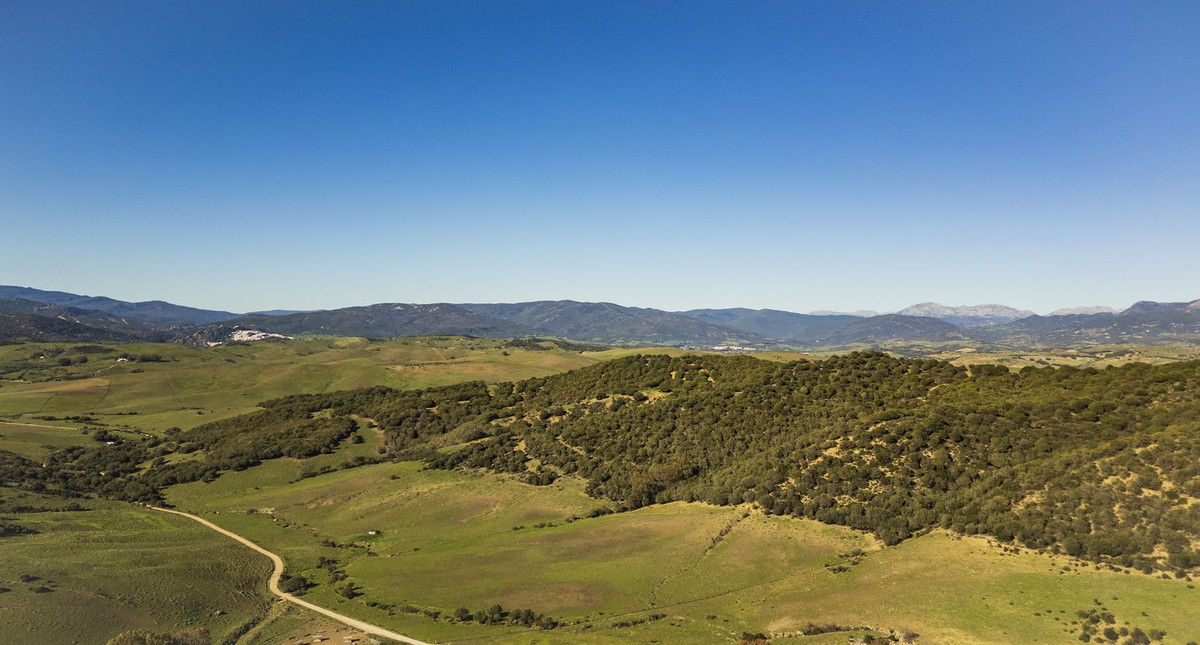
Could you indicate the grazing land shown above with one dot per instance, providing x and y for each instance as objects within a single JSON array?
[
  {"x": 49, "y": 405},
  {"x": 182, "y": 386},
  {"x": 90, "y": 569},
  {"x": 38, "y": 440},
  {"x": 510, "y": 539},
  {"x": 461, "y": 539}
]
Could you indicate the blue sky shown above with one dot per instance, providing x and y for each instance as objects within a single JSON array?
[{"x": 793, "y": 155}]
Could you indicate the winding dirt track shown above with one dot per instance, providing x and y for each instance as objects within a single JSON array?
[{"x": 273, "y": 584}]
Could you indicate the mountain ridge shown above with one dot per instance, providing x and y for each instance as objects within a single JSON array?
[
  {"x": 605, "y": 322},
  {"x": 153, "y": 311},
  {"x": 967, "y": 315}
]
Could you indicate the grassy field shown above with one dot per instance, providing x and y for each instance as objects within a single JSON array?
[
  {"x": 679, "y": 573},
  {"x": 38, "y": 440},
  {"x": 287, "y": 623},
  {"x": 89, "y": 574},
  {"x": 45, "y": 403},
  {"x": 451, "y": 539},
  {"x": 192, "y": 385}
]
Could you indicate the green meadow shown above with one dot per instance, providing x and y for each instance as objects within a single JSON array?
[
  {"x": 90, "y": 573},
  {"x": 416, "y": 545},
  {"x": 667, "y": 573},
  {"x": 191, "y": 385},
  {"x": 38, "y": 440}
]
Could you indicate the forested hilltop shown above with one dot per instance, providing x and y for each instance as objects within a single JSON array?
[
  {"x": 1103, "y": 464},
  {"x": 1096, "y": 462}
]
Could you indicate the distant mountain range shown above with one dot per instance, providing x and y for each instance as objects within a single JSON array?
[
  {"x": 970, "y": 316},
  {"x": 1068, "y": 311},
  {"x": 861, "y": 313},
  {"x": 33, "y": 314},
  {"x": 22, "y": 318},
  {"x": 608, "y": 322},
  {"x": 1144, "y": 322},
  {"x": 30, "y": 327},
  {"x": 382, "y": 321},
  {"x": 154, "y": 311},
  {"x": 772, "y": 323}
]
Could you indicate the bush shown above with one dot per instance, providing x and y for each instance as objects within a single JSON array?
[
  {"x": 293, "y": 584},
  {"x": 146, "y": 637}
]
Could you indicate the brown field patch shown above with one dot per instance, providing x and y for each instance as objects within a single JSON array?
[
  {"x": 570, "y": 596},
  {"x": 89, "y": 387}
]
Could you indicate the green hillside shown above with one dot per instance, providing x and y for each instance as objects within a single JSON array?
[
  {"x": 1098, "y": 463},
  {"x": 186, "y": 386},
  {"x": 642, "y": 498},
  {"x": 1095, "y": 462},
  {"x": 89, "y": 569},
  {"x": 675, "y": 573}
]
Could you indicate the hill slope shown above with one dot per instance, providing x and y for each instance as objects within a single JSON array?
[
  {"x": 772, "y": 323},
  {"x": 32, "y": 328},
  {"x": 967, "y": 316},
  {"x": 153, "y": 311},
  {"x": 1144, "y": 322},
  {"x": 888, "y": 327},
  {"x": 117, "y": 325},
  {"x": 608, "y": 322},
  {"x": 893, "y": 446},
  {"x": 873, "y": 442},
  {"x": 385, "y": 320}
]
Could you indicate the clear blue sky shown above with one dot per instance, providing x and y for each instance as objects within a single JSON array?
[{"x": 795, "y": 155}]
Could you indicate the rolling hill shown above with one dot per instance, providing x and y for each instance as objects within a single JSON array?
[
  {"x": 88, "y": 318},
  {"x": 31, "y": 328},
  {"x": 967, "y": 316},
  {"x": 385, "y": 320},
  {"x": 1144, "y": 322},
  {"x": 608, "y": 322},
  {"x": 155, "y": 312},
  {"x": 866, "y": 440},
  {"x": 772, "y": 323},
  {"x": 886, "y": 328}
]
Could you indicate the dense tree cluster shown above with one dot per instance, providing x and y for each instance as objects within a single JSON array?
[
  {"x": 1102, "y": 464},
  {"x": 498, "y": 615},
  {"x": 295, "y": 585},
  {"x": 136, "y": 470},
  {"x": 1099, "y": 463}
]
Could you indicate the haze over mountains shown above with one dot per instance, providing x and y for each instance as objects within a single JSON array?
[
  {"x": 1066, "y": 311},
  {"x": 33, "y": 314},
  {"x": 967, "y": 316}
]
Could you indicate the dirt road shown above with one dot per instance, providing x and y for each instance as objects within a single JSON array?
[{"x": 273, "y": 584}]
